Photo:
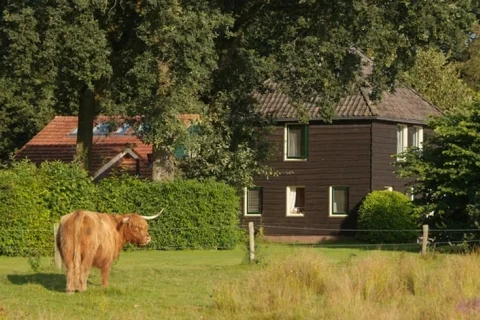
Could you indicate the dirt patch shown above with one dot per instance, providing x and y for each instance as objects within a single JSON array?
[{"x": 469, "y": 306}]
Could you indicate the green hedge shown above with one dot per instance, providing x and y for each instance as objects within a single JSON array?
[
  {"x": 196, "y": 215},
  {"x": 25, "y": 224},
  {"x": 387, "y": 210}
]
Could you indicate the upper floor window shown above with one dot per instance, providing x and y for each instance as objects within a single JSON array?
[
  {"x": 417, "y": 137},
  {"x": 339, "y": 199},
  {"x": 253, "y": 201},
  {"x": 296, "y": 142},
  {"x": 402, "y": 139}
]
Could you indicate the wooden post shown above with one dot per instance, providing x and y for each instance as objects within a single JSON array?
[
  {"x": 424, "y": 239},
  {"x": 251, "y": 240},
  {"x": 57, "y": 258}
]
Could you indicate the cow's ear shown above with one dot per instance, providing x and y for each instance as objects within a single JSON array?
[{"x": 125, "y": 220}]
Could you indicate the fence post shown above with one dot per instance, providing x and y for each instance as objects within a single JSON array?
[
  {"x": 424, "y": 239},
  {"x": 251, "y": 241},
  {"x": 57, "y": 258}
]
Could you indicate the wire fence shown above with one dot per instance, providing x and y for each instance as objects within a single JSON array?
[{"x": 286, "y": 231}]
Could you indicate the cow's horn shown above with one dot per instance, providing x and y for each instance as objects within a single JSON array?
[{"x": 152, "y": 217}]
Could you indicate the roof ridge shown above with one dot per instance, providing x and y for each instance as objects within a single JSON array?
[{"x": 367, "y": 101}]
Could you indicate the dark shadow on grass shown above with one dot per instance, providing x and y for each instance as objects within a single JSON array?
[{"x": 50, "y": 281}]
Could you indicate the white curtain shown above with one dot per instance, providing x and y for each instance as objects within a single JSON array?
[
  {"x": 399, "y": 140},
  {"x": 292, "y": 197},
  {"x": 294, "y": 140}
]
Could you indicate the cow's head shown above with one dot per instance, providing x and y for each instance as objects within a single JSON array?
[{"x": 136, "y": 228}]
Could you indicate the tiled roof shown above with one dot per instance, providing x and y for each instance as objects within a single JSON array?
[
  {"x": 55, "y": 142},
  {"x": 404, "y": 104},
  {"x": 58, "y": 142}
]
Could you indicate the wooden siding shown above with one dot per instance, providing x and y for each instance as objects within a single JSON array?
[
  {"x": 384, "y": 145},
  {"x": 338, "y": 155}
]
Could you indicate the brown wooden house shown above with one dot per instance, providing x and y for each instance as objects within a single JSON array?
[{"x": 326, "y": 169}]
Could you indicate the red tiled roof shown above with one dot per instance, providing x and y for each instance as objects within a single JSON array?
[{"x": 56, "y": 142}]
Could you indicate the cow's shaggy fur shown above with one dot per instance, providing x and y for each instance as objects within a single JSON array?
[{"x": 87, "y": 239}]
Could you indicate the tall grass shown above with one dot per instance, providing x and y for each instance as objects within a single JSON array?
[{"x": 307, "y": 286}]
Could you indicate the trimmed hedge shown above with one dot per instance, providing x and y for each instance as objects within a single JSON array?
[
  {"x": 67, "y": 188},
  {"x": 197, "y": 214},
  {"x": 25, "y": 224},
  {"x": 386, "y": 210}
]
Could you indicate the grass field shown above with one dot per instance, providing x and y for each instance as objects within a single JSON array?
[{"x": 292, "y": 282}]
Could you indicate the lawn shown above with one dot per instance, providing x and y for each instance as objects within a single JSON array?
[{"x": 170, "y": 284}]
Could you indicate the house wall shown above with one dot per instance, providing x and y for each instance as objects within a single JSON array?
[
  {"x": 384, "y": 145},
  {"x": 339, "y": 155}
]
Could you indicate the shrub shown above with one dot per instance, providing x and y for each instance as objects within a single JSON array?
[
  {"x": 386, "y": 210},
  {"x": 25, "y": 225},
  {"x": 67, "y": 188},
  {"x": 196, "y": 215}
]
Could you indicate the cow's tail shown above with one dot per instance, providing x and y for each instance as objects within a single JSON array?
[{"x": 77, "y": 253}]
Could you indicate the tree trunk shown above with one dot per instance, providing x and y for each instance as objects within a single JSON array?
[
  {"x": 163, "y": 165},
  {"x": 86, "y": 116}
]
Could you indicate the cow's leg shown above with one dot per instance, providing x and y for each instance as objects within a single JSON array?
[
  {"x": 84, "y": 271},
  {"x": 71, "y": 281},
  {"x": 105, "y": 274}
]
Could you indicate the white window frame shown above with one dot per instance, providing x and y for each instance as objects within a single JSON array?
[
  {"x": 245, "y": 203},
  {"x": 417, "y": 137},
  {"x": 289, "y": 202},
  {"x": 285, "y": 143},
  {"x": 330, "y": 202},
  {"x": 410, "y": 194},
  {"x": 402, "y": 139}
]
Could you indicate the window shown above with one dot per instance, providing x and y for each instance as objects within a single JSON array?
[
  {"x": 417, "y": 137},
  {"x": 188, "y": 149},
  {"x": 410, "y": 194},
  {"x": 296, "y": 142},
  {"x": 253, "y": 201},
  {"x": 103, "y": 128},
  {"x": 295, "y": 201},
  {"x": 402, "y": 139},
  {"x": 338, "y": 201}
]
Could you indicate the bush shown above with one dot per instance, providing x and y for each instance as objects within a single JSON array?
[
  {"x": 196, "y": 215},
  {"x": 386, "y": 210},
  {"x": 67, "y": 188},
  {"x": 25, "y": 224}
]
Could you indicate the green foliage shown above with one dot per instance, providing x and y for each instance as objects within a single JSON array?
[
  {"x": 161, "y": 58},
  {"x": 66, "y": 188},
  {"x": 197, "y": 214},
  {"x": 386, "y": 210},
  {"x": 445, "y": 173},
  {"x": 25, "y": 224},
  {"x": 34, "y": 262},
  {"x": 438, "y": 80},
  {"x": 470, "y": 67}
]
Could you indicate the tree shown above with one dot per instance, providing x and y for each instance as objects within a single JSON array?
[
  {"x": 445, "y": 172},
  {"x": 438, "y": 80},
  {"x": 470, "y": 67},
  {"x": 154, "y": 60}
]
